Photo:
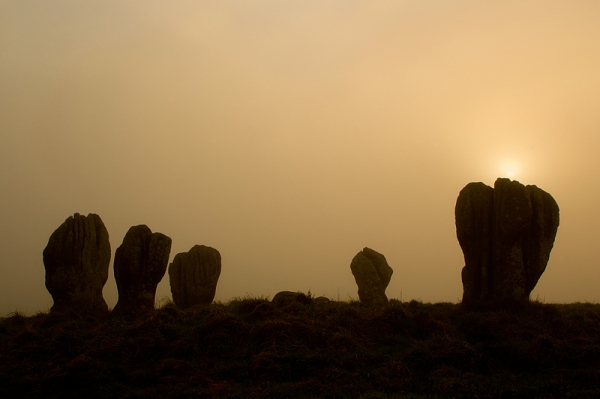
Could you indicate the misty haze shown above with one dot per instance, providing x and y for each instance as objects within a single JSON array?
[{"x": 291, "y": 135}]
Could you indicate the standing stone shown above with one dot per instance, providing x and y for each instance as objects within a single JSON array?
[
  {"x": 512, "y": 219},
  {"x": 372, "y": 274},
  {"x": 474, "y": 208},
  {"x": 540, "y": 239},
  {"x": 76, "y": 261},
  {"x": 140, "y": 263},
  {"x": 194, "y": 275},
  {"x": 506, "y": 234}
]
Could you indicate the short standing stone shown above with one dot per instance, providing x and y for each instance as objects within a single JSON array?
[
  {"x": 372, "y": 274},
  {"x": 194, "y": 275},
  {"x": 140, "y": 264},
  {"x": 76, "y": 261}
]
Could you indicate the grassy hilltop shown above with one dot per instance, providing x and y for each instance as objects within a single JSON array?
[{"x": 252, "y": 348}]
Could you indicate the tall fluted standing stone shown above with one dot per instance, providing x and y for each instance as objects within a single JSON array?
[
  {"x": 76, "y": 261},
  {"x": 372, "y": 274},
  {"x": 140, "y": 264},
  {"x": 194, "y": 275},
  {"x": 506, "y": 234}
]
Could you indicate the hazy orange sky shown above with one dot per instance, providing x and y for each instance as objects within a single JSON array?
[{"x": 291, "y": 134}]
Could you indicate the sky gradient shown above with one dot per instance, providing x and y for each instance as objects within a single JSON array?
[{"x": 289, "y": 135}]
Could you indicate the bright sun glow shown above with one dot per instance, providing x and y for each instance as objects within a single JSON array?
[{"x": 510, "y": 168}]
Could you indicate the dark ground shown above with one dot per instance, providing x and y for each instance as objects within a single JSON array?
[{"x": 251, "y": 348}]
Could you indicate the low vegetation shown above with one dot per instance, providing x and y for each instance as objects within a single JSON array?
[{"x": 252, "y": 348}]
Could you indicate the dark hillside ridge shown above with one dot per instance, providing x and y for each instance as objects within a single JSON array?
[{"x": 254, "y": 348}]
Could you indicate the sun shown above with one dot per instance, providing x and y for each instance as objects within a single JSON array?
[{"x": 509, "y": 168}]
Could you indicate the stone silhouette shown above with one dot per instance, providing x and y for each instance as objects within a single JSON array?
[
  {"x": 474, "y": 212},
  {"x": 194, "y": 275},
  {"x": 506, "y": 234},
  {"x": 76, "y": 261},
  {"x": 372, "y": 274},
  {"x": 140, "y": 264},
  {"x": 285, "y": 297},
  {"x": 320, "y": 300},
  {"x": 540, "y": 238}
]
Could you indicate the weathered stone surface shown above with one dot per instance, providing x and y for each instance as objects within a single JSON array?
[
  {"x": 473, "y": 211},
  {"x": 140, "y": 264},
  {"x": 76, "y": 261},
  {"x": 506, "y": 234},
  {"x": 194, "y": 275},
  {"x": 372, "y": 274}
]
